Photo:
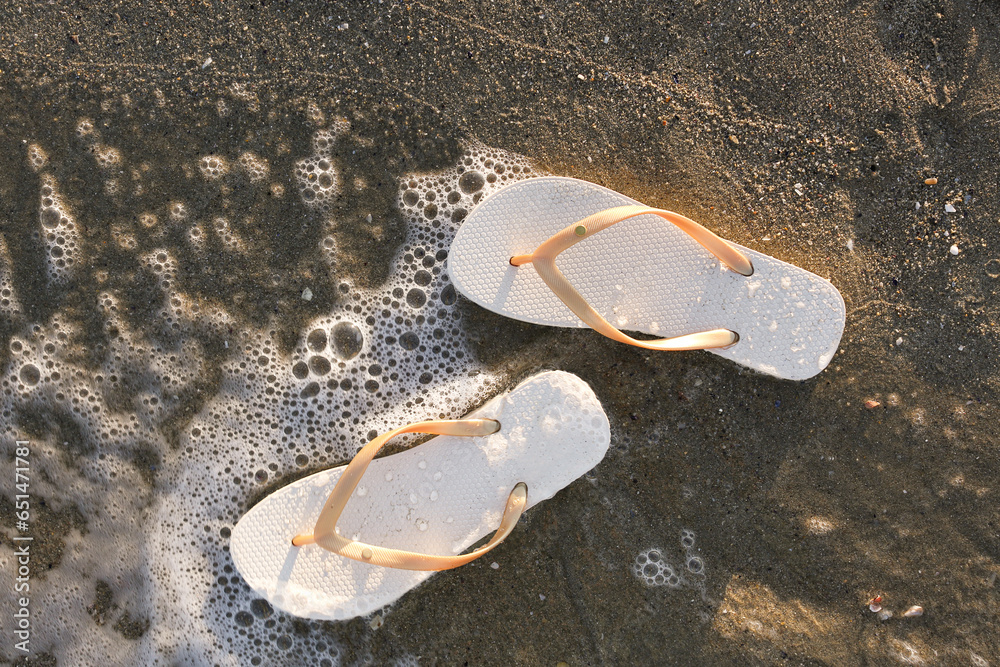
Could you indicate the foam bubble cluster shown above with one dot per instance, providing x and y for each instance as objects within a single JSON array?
[
  {"x": 318, "y": 180},
  {"x": 107, "y": 157},
  {"x": 213, "y": 167},
  {"x": 324, "y": 139},
  {"x": 37, "y": 157},
  {"x": 85, "y": 128},
  {"x": 178, "y": 211},
  {"x": 652, "y": 567},
  {"x": 255, "y": 167},
  {"x": 10, "y": 305},
  {"x": 445, "y": 199},
  {"x": 230, "y": 238},
  {"x": 241, "y": 92},
  {"x": 151, "y": 447},
  {"x": 317, "y": 176},
  {"x": 58, "y": 231}
]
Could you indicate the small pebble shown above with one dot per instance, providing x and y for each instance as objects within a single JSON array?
[
  {"x": 732, "y": 138},
  {"x": 875, "y": 607},
  {"x": 948, "y": 208},
  {"x": 871, "y": 404},
  {"x": 884, "y": 615},
  {"x": 495, "y": 565},
  {"x": 307, "y": 294},
  {"x": 581, "y": 77},
  {"x": 930, "y": 181},
  {"x": 915, "y": 610},
  {"x": 376, "y": 622},
  {"x": 606, "y": 39},
  {"x": 954, "y": 250},
  {"x": 208, "y": 61}
]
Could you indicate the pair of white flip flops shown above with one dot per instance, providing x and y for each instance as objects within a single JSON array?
[{"x": 417, "y": 511}]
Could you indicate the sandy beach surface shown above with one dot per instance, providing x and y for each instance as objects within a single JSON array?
[{"x": 189, "y": 190}]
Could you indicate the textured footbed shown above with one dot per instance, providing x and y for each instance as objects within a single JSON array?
[
  {"x": 644, "y": 275},
  {"x": 437, "y": 498}
]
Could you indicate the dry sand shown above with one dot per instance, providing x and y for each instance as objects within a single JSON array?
[{"x": 802, "y": 130}]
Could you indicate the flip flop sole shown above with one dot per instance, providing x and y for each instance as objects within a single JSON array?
[
  {"x": 644, "y": 275},
  {"x": 440, "y": 497}
]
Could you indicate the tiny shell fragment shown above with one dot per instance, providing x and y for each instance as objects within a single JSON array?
[
  {"x": 871, "y": 404},
  {"x": 915, "y": 610}
]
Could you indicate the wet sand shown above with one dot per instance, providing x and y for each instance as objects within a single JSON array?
[{"x": 805, "y": 133}]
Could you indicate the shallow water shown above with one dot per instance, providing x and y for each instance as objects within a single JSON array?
[{"x": 253, "y": 279}]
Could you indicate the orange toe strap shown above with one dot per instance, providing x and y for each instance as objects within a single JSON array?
[
  {"x": 325, "y": 532},
  {"x": 544, "y": 261}
]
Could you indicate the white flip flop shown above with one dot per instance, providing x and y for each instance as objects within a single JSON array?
[
  {"x": 679, "y": 281},
  {"x": 300, "y": 547}
]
